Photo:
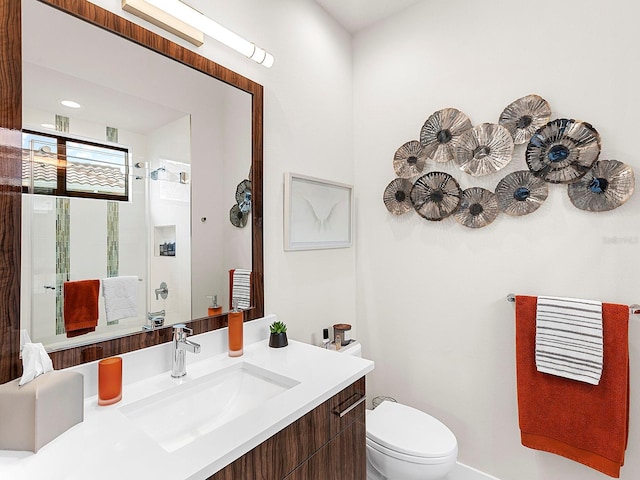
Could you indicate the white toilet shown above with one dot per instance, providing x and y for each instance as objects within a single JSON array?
[{"x": 404, "y": 443}]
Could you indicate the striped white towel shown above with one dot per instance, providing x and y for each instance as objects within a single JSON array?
[
  {"x": 241, "y": 288},
  {"x": 569, "y": 338}
]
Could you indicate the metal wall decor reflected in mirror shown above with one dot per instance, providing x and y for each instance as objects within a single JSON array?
[{"x": 538, "y": 151}]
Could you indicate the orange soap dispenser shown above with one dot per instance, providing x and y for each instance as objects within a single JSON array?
[
  {"x": 235, "y": 318},
  {"x": 214, "y": 309}
]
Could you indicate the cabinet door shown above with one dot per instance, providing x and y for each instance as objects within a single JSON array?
[
  {"x": 344, "y": 457},
  {"x": 274, "y": 458},
  {"x": 281, "y": 454}
]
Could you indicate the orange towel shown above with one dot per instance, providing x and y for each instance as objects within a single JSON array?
[
  {"x": 81, "y": 306},
  {"x": 582, "y": 422}
]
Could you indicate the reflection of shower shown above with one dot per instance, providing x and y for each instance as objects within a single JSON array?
[{"x": 154, "y": 174}]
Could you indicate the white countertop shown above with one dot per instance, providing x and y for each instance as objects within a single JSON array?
[{"x": 108, "y": 445}]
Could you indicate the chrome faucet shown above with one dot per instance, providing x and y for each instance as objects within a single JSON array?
[
  {"x": 154, "y": 320},
  {"x": 180, "y": 346}
]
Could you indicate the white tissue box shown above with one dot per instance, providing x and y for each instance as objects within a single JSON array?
[{"x": 36, "y": 413}]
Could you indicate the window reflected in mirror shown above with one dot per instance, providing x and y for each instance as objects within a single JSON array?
[{"x": 60, "y": 165}]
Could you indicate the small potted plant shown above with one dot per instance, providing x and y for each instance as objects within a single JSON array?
[{"x": 278, "y": 337}]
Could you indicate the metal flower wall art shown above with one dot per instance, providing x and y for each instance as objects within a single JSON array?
[
  {"x": 239, "y": 213},
  {"x": 397, "y": 196},
  {"x": 440, "y": 132},
  {"x": 410, "y": 159},
  {"x": 539, "y": 150},
  {"x": 606, "y": 186},
  {"x": 484, "y": 149},
  {"x": 563, "y": 150},
  {"x": 478, "y": 208},
  {"x": 524, "y": 116},
  {"x": 435, "y": 195}
]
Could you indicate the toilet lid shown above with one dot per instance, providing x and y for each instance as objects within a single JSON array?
[{"x": 409, "y": 431}]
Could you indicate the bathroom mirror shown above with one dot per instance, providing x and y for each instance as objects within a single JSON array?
[{"x": 238, "y": 111}]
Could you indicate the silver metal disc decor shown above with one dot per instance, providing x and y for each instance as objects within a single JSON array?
[
  {"x": 521, "y": 193},
  {"x": 606, "y": 186},
  {"x": 478, "y": 208},
  {"x": 397, "y": 196},
  {"x": 243, "y": 195},
  {"x": 484, "y": 149},
  {"x": 524, "y": 116},
  {"x": 436, "y": 195},
  {"x": 410, "y": 159},
  {"x": 237, "y": 217},
  {"x": 563, "y": 150},
  {"x": 439, "y": 132}
]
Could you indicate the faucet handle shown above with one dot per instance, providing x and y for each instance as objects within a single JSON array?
[{"x": 181, "y": 327}]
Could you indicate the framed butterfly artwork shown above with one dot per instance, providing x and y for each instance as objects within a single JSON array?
[{"x": 318, "y": 214}]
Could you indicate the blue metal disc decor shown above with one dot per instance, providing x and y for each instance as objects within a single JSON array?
[
  {"x": 524, "y": 116},
  {"x": 435, "y": 195},
  {"x": 243, "y": 195},
  {"x": 606, "y": 186},
  {"x": 478, "y": 208},
  {"x": 563, "y": 150},
  {"x": 521, "y": 193},
  {"x": 440, "y": 131},
  {"x": 484, "y": 149}
]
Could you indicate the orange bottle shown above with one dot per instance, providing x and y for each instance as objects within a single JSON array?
[
  {"x": 214, "y": 309},
  {"x": 235, "y": 319},
  {"x": 109, "y": 381}
]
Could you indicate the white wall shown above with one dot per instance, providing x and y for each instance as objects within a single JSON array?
[
  {"x": 308, "y": 129},
  {"x": 431, "y": 296}
]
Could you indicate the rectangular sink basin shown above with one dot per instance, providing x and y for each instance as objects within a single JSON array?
[{"x": 178, "y": 416}]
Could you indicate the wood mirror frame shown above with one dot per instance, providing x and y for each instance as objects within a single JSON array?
[{"x": 11, "y": 181}]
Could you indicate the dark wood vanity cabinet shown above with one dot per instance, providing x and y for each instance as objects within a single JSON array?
[{"x": 318, "y": 446}]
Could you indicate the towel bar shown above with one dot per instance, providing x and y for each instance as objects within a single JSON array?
[{"x": 634, "y": 309}]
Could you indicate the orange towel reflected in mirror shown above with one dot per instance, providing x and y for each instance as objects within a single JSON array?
[{"x": 81, "y": 306}]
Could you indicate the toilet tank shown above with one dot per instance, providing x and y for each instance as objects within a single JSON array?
[{"x": 354, "y": 348}]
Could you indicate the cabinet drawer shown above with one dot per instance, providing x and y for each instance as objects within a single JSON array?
[{"x": 346, "y": 406}]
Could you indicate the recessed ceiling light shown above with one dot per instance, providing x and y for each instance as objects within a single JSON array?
[
  {"x": 70, "y": 103},
  {"x": 48, "y": 125}
]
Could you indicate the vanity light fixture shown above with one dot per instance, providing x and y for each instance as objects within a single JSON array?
[
  {"x": 191, "y": 17},
  {"x": 162, "y": 19},
  {"x": 50, "y": 126},
  {"x": 70, "y": 104}
]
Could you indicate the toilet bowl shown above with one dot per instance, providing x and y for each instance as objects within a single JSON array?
[{"x": 404, "y": 443}]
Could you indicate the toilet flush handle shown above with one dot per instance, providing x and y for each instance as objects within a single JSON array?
[{"x": 342, "y": 413}]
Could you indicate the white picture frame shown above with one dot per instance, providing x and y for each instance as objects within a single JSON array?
[{"x": 318, "y": 214}]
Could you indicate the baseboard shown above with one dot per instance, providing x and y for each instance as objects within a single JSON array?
[{"x": 464, "y": 472}]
